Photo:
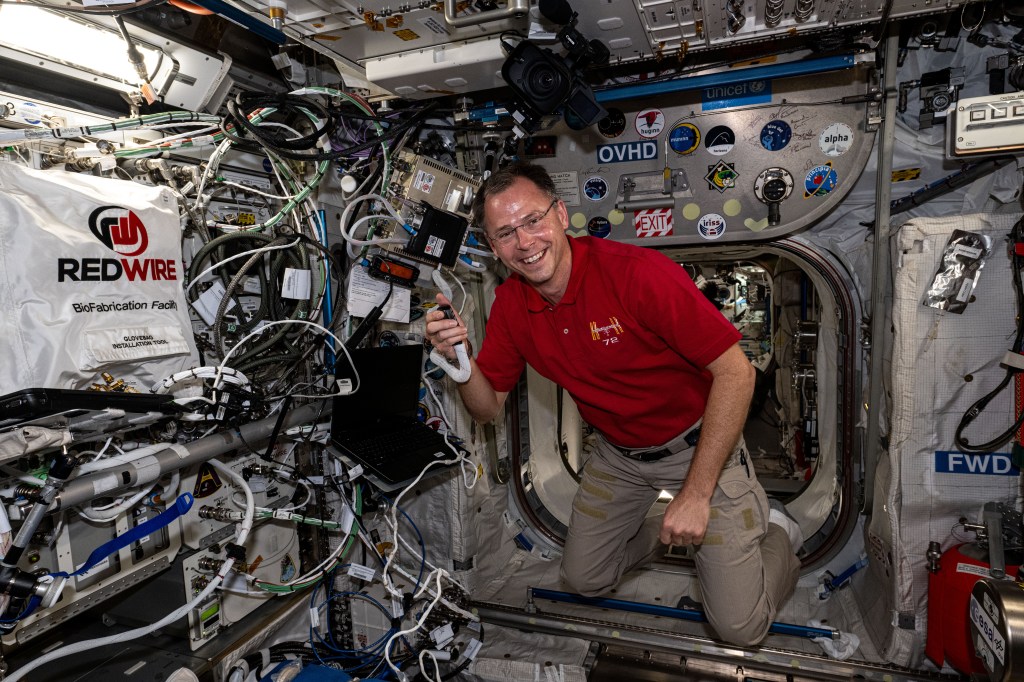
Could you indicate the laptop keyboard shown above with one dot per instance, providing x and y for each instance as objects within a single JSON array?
[{"x": 375, "y": 448}]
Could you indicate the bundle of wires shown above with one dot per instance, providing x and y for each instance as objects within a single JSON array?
[{"x": 1015, "y": 352}]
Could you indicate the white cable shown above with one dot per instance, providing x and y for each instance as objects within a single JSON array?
[
  {"x": 433, "y": 659},
  {"x": 171, "y": 138},
  {"x": 250, "y": 252},
  {"x": 472, "y": 265},
  {"x": 127, "y": 636},
  {"x": 370, "y": 242},
  {"x": 253, "y": 190},
  {"x": 465, "y": 294},
  {"x": 110, "y": 514},
  {"x": 22, "y": 476},
  {"x": 476, "y": 252},
  {"x": 414, "y": 628},
  {"x": 121, "y": 459},
  {"x": 227, "y": 374},
  {"x": 351, "y": 206},
  {"x": 460, "y": 374},
  {"x": 463, "y": 461},
  {"x": 307, "y": 323}
]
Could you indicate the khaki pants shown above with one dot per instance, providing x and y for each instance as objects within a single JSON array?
[{"x": 746, "y": 567}]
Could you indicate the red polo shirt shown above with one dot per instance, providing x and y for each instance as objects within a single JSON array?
[{"x": 629, "y": 341}]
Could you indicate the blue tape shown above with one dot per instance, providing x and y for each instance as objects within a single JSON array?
[{"x": 161, "y": 520}]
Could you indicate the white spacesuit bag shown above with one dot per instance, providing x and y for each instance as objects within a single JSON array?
[{"x": 90, "y": 282}]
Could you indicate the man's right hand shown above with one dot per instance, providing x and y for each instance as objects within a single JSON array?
[{"x": 443, "y": 333}]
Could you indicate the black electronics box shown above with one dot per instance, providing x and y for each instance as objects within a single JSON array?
[{"x": 438, "y": 237}]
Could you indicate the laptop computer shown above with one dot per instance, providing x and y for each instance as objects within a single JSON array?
[{"x": 377, "y": 426}]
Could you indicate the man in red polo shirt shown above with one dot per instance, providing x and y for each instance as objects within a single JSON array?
[{"x": 658, "y": 372}]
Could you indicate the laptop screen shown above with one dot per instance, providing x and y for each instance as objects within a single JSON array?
[{"x": 389, "y": 384}]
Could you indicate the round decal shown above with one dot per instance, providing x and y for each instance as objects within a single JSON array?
[
  {"x": 30, "y": 113},
  {"x": 615, "y": 216},
  {"x": 820, "y": 180},
  {"x": 684, "y": 138},
  {"x": 649, "y": 123},
  {"x": 776, "y": 135},
  {"x": 732, "y": 207},
  {"x": 691, "y": 211},
  {"x": 595, "y": 188},
  {"x": 836, "y": 139},
  {"x": 578, "y": 220},
  {"x": 720, "y": 140},
  {"x": 711, "y": 226},
  {"x": 613, "y": 124},
  {"x": 599, "y": 227}
]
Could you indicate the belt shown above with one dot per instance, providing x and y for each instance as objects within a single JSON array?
[{"x": 644, "y": 455}]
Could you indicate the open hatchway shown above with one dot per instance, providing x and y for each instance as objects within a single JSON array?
[{"x": 800, "y": 322}]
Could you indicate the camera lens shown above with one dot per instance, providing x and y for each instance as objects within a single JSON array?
[{"x": 543, "y": 81}]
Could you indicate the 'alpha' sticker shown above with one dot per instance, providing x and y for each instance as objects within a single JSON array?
[
  {"x": 649, "y": 123},
  {"x": 835, "y": 140},
  {"x": 820, "y": 180},
  {"x": 711, "y": 226},
  {"x": 595, "y": 188},
  {"x": 653, "y": 222}
]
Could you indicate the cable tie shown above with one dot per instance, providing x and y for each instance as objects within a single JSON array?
[{"x": 236, "y": 552}]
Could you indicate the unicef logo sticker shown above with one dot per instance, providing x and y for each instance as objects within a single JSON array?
[{"x": 711, "y": 226}]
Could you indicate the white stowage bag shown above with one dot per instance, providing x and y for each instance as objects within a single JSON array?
[{"x": 90, "y": 282}]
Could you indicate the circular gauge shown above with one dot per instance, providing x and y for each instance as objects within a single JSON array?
[{"x": 776, "y": 135}]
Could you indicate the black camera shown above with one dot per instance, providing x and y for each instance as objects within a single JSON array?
[{"x": 543, "y": 81}]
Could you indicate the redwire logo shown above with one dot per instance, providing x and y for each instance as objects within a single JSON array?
[
  {"x": 123, "y": 232},
  {"x": 119, "y": 229}
]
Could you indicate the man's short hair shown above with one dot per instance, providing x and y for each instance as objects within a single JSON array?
[{"x": 503, "y": 178}]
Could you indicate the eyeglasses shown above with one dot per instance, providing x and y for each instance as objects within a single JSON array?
[{"x": 532, "y": 225}]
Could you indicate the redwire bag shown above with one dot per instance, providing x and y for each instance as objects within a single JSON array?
[{"x": 90, "y": 282}]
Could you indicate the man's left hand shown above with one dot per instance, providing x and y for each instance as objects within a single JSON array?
[{"x": 686, "y": 521}]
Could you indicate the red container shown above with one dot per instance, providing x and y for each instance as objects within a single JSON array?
[{"x": 949, "y": 591}]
